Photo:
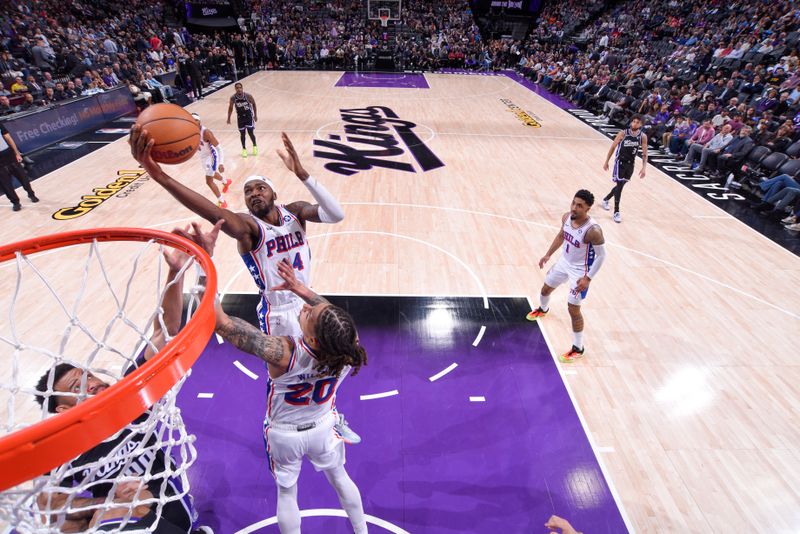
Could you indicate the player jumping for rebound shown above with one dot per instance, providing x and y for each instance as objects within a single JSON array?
[
  {"x": 268, "y": 234},
  {"x": 625, "y": 149},
  {"x": 246, "y": 116},
  {"x": 211, "y": 160},
  {"x": 583, "y": 256}
]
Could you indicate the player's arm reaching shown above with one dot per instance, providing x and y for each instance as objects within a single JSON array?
[
  {"x": 275, "y": 350},
  {"x": 327, "y": 209},
  {"x": 644, "y": 155},
  {"x": 230, "y": 109},
  {"x": 594, "y": 236},
  {"x": 617, "y": 140},
  {"x": 240, "y": 227},
  {"x": 253, "y": 103},
  {"x": 555, "y": 244},
  {"x": 167, "y": 325}
]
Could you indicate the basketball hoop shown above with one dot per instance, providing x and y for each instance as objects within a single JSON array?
[
  {"x": 384, "y": 20},
  {"x": 34, "y": 450}
]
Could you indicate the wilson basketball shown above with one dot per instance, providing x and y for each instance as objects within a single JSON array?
[{"x": 174, "y": 130}]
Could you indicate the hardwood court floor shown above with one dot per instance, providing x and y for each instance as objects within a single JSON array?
[{"x": 690, "y": 385}]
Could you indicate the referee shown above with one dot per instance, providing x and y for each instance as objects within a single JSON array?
[{"x": 10, "y": 166}]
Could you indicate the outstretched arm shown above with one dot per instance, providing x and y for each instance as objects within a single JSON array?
[
  {"x": 172, "y": 302},
  {"x": 327, "y": 209},
  {"x": 239, "y": 227},
  {"x": 291, "y": 283}
]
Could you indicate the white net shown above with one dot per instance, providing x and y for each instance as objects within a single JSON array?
[{"x": 77, "y": 321}]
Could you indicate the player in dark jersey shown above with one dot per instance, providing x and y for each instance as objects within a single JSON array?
[
  {"x": 246, "y": 114},
  {"x": 97, "y": 469},
  {"x": 625, "y": 149}
]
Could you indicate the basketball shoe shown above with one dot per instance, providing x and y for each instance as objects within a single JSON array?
[
  {"x": 536, "y": 314},
  {"x": 244, "y": 152},
  {"x": 617, "y": 217},
  {"x": 222, "y": 204},
  {"x": 605, "y": 205},
  {"x": 227, "y": 185},
  {"x": 572, "y": 355},
  {"x": 344, "y": 430},
  {"x": 255, "y": 150}
]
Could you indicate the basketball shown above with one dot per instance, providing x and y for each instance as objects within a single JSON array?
[{"x": 174, "y": 130}]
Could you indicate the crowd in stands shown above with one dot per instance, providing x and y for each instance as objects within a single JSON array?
[
  {"x": 717, "y": 84},
  {"x": 51, "y": 51}
]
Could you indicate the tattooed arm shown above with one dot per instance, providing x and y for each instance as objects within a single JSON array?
[{"x": 275, "y": 350}]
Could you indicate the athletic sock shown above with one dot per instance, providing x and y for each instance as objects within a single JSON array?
[
  {"x": 577, "y": 340},
  {"x": 544, "y": 302}
]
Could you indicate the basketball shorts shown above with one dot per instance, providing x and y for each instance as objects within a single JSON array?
[
  {"x": 286, "y": 447},
  {"x": 211, "y": 162},
  {"x": 282, "y": 320},
  {"x": 245, "y": 121},
  {"x": 623, "y": 170},
  {"x": 564, "y": 272}
]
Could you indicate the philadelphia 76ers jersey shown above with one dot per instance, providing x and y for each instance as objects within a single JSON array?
[
  {"x": 301, "y": 395},
  {"x": 578, "y": 254},
  {"x": 276, "y": 243}
]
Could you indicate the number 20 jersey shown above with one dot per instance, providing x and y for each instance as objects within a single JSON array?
[
  {"x": 302, "y": 395},
  {"x": 276, "y": 243}
]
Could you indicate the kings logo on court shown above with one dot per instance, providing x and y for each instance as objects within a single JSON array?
[{"x": 374, "y": 136}]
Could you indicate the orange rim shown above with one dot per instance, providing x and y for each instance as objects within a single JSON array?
[{"x": 43, "y": 446}]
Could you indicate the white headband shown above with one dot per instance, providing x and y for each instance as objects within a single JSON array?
[{"x": 257, "y": 178}]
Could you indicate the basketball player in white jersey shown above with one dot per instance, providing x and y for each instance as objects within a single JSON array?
[
  {"x": 583, "y": 255},
  {"x": 211, "y": 160},
  {"x": 246, "y": 116},
  {"x": 305, "y": 374},
  {"x": 625, "y": 148},
  {"x": 266, "y": 235}
]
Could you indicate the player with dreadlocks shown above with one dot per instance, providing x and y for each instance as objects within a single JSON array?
[{"x": 305, "y": 373}]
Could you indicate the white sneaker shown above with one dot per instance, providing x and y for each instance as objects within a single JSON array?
[
  {"x": 617, "y": 217},
  {"x": 791, "y": 219},
  {"x": 728, "y": 181},
  {"x": 794, "y": 227},
  {"x": 605, "y": 205},
  {"x": 349, "y": 437}
]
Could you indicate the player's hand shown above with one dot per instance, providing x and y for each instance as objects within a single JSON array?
[
  {"x": 560, "y": 523},
  {"x": 290, "y": 158},
  {"x": 543, "y": 260},
  {"x": 126, "y": 491},
  {"x": 583, "y": 284},
  {"x": 141, "y": 147},
  {"x": 19, "y": 158},
  {"x": 290, "y": 281},
  {"x": 642, "y": 172},
  {"x": 255, "y": 118},
  {"x": 229, "y": 120},
  {"x": 605, "y": 166},
  {"x": 221, "y": 168},
  {"x": 207, "y": 240}
]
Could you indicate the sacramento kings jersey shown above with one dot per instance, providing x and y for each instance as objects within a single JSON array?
[
  {"x": 244, "y": 109},
  {"x": 628, "y": 149},
  {"x": 578, "y": 254},
  {"x": 276, "y": 243},
  {"x": 301, "y": 395}
]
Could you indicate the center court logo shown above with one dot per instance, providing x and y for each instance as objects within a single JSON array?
[
  {"x": 381, "y": 131},
  {"x": 99, "y": 195}
]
